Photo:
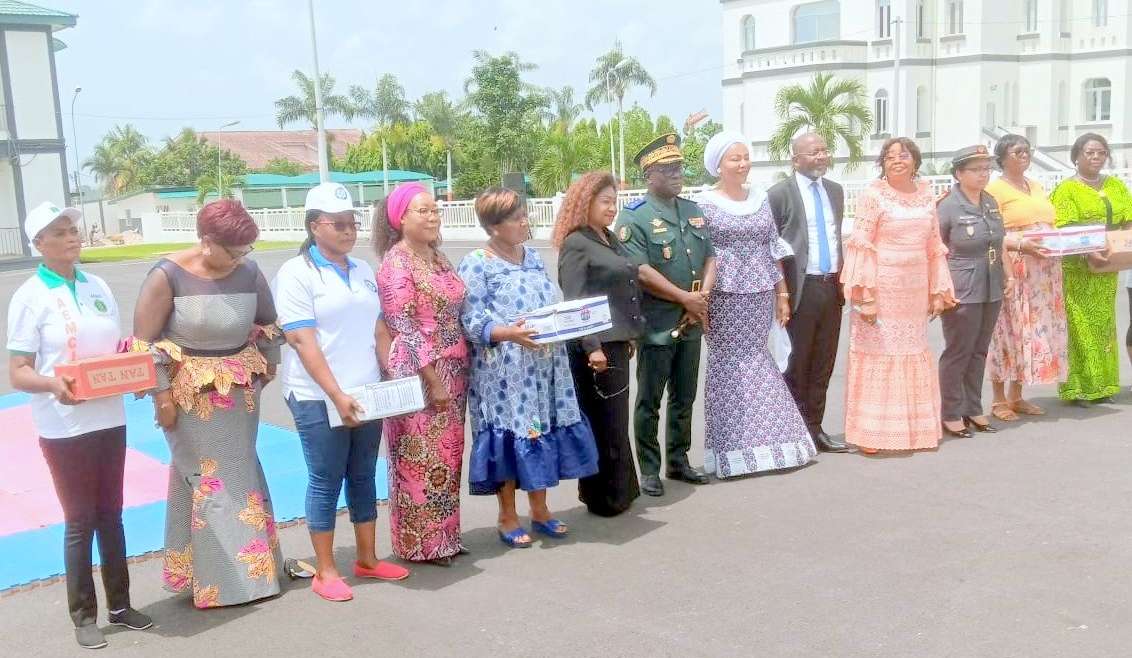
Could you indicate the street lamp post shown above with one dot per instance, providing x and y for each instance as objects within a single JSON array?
[
  {"x": 219, "y": 153},
  {"x": 320, "y": 119},
  {"x": 78, "y": 167}
]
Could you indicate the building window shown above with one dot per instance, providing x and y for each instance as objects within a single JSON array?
[
  {"x": 817, "y": 21},
  {"x": 1030, "y": 15},
  {"x": 955, "y": 16},
  {"x": 748, "y": 33},
  {"x": 1100, "y": 13},
  {"x": 923, "y": 111},
  {"x": 990, "y": 116},
  {"x": 880, "y": 111},
  {"x": 921, "y": 20},
  {"x": 1098, "y": 100},
  {"x": 884, "y": 19},
  {"x": 1062, "y": 105}
]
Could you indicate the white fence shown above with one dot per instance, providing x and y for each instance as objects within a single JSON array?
[{"x": 459, "y": 217}]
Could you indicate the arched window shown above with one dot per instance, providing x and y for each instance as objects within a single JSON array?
[
  {"x": 1100, "y": 13},
  {"x": 880, "y": 112},
  {"x": 1030, "y": 15},
  {"x": 817, "y": 21},
  {"x": 990, "y": 116},
  {"x": 923, "y": 110},
  {"x": 884, "y": 19},
  {"x": 1062, "y": 105},
  {"x": 1065, "y": 16},
  {"x": 748, "y": 33},
  {"x": 955, "y": 16},
  {"x": 1098, "y": 100},
  {"x": 921, "y": 20}
]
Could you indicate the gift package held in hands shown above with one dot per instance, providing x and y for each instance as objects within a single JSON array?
[
  {"x": 382, "y": 400},
  {"x": 1118, "y": 252},
  {"x": 569, "y": 320},
  {"x": 112, "y": 374},
  {"x": 1069, "y": 241}
]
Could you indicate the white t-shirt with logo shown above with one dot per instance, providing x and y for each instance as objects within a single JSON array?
[
  {"x": 344, "y": 315},
  {"x": 56, "y": 326}
]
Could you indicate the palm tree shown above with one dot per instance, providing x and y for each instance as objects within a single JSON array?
[
  {"x": 562, "y": 110},
  {"x": 613, "y": 75},
  {"x": 206, "y": 185},
  {"x": 118, "y": 159},
  {"x": 836, "y": 109},
  {"x": 564, "y": 154},
  {"x": 302, "y": 107},
  {"x": 438, "y": 111},
  {"x": 386, "y": 104}
]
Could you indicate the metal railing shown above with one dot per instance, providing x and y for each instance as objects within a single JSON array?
[{"x": 11, "y": 242}]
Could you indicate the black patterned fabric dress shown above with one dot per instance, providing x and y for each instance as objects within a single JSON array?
[{"x": 753, "y": 424}]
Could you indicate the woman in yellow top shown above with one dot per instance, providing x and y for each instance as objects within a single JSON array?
[{"x": 1029, "y": 340}]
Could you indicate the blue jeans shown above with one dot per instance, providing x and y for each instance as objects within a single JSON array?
[{"x": 334, "y": 455}]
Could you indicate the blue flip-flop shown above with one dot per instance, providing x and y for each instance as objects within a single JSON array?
[
  {"x": 551, "y": 528},
  {"x": 512, "y": 538}
]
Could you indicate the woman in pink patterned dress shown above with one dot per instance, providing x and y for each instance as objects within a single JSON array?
[
  {"x": 896, "y": 278},
  {"x": 421, "y": 298}
]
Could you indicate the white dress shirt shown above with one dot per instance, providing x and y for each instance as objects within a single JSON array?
[{"x": 805, "y": 188}]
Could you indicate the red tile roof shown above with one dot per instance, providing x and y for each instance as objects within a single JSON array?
[{"x": 258, "y": 147}]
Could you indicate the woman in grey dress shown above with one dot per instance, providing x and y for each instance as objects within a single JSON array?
[{"x": 207, "y": 315}]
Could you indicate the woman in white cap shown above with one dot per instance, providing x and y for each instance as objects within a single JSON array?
[
  {"x": 61, "y": 314},
  {"x": 752, "y": 422},
  {"x": 329, "y": 310}
]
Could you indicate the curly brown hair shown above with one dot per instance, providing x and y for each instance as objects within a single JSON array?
[{"x": 575, "y": 210}]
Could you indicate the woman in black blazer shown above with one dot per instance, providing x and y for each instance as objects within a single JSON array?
[{"x": 592, "y": 262}]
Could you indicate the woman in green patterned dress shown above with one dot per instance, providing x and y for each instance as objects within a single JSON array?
[{"x": 1090, "y": 197}]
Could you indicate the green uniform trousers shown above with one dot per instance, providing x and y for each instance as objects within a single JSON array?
[{"x": 677, "y": 367}]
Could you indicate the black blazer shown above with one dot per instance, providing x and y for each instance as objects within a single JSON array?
[
  {"x": 790, "y": 216},
  {"x": 587, "y": 267}
]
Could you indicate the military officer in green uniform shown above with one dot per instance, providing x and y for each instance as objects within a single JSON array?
[{"x": 665, "y": 234}]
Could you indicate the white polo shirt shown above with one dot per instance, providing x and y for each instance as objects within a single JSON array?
[
  {"x": 55, "y": 324},
  {"x": 343, "y": 307}
]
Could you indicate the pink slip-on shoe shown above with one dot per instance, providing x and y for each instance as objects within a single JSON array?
[
  {"x": 332, "y": 590},
  {"x": 383, "y": 571}
]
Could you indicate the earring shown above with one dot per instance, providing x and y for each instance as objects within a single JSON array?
[{"x": 207, "y": 251}]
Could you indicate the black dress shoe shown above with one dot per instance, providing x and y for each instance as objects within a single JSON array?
[
  {"x": 651, "y": 485},
  {"x": 958, "y": 434},
  {"x": 827, "y": 443},
  {"x": 687, "y": 473},
  {"x": 988, "y": 428}
]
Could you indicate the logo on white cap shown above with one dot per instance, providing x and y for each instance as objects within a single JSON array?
[{"x": 341, "y": 192}]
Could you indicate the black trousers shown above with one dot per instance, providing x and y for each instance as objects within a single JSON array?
[
  {"x": 87, "y": 472},
  {"x": 814, "y": 330},
  {"x": 604, "y": 399},
  {"x": 967, "y": 331},
  {"x": 675, "y": 367}
]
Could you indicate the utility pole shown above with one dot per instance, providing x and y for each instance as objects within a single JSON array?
[
  {"x": 219, "y": 154},
  {"x": 78, "y": 167},
  {"x": 896, "y": 24},
  {"x": 320, "y": 119}
]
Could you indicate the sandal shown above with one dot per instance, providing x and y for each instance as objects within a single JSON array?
[
  {"x": 1003, "y": 411},
  {"x": 1027, "y": 407},
  {"x": 551, "y": 528},
  {"x": 512, "y": 538}
]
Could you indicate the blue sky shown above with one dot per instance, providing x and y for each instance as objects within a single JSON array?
[{"x": 164, "y": 64}]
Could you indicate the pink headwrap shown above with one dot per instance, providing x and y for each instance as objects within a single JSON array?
[{"x": 398, "y": 202}]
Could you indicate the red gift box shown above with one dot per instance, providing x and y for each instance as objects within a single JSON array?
[{"x": 112, "y": 374}]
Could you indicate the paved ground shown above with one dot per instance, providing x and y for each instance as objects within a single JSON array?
[{"x": 1016, "y": 544}]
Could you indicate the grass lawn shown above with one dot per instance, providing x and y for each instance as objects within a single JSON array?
[{"x": 156, "y": 250}]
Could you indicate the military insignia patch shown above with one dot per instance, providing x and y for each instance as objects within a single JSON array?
[
  {"x": 624, "y": 234},
  {"x": 635, "y": 204},
  {"x": 666, "y": 252},
  {"x": 657, "y": 222},
  {"x": 697, "y": 222}
]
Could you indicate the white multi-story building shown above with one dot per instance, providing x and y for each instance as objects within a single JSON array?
[{"x": 948, "y": 73}]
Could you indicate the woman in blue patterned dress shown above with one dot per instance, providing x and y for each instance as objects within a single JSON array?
[
  {"x": 752, "y": 422},
  {"x": 527, "y": 431}
]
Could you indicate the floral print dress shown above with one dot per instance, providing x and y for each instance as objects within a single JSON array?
[{"x": 421, "y": 301}]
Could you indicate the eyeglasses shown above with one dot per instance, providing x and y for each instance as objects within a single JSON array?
[
  {"x": 977, "y": 170},
  {"x": 815, "y": 154},
  {"x": 1095, "y": 154},
  {"x": 426, "y": 212},
  {"x": 674, "y": 169},
  {"x": 597, "y": 387},
  {"x": 237, "y": 255},
  {"x": 343, "y": 227},
  {"x": 1022, "y": 153},
  {"x": 900, "y": 157}
]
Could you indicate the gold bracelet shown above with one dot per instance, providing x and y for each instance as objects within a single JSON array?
[{"x": 783, "y": 294}]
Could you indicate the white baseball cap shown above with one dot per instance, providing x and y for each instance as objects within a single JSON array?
[
  {"x": 329, "y": 198},
  {"x": 42, "y": 216}
]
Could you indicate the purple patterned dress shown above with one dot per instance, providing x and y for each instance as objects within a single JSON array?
[{"x": 753, "y": 424}]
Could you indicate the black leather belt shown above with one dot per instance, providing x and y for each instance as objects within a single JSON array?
[{"x": 824, "y": 278}]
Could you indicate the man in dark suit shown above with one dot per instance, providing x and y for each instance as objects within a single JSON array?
[{"x": 808, "y": 210}]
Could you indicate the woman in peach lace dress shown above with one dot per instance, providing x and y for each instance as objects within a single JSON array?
[{"x": 896, "y": 279}]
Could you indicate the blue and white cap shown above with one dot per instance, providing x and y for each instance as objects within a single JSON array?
[{"x": 329, "y": 198}]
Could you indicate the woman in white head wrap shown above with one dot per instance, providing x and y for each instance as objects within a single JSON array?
[{"x": 753, "y": 424}]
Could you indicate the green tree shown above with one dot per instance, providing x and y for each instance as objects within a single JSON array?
[
  {"x": 565, "y": 153},
  {"x": 410, "y": 146},
  {"x": 836, "y": 109},
  {"x": 292, "y": 109},
  {"x": 445, "y": 117},
  {"x": 206, "y": 187},
  {"x": 639, "y": 129},
  {"x": 693, "y": 148},
  {"x": 506, "y": 105},
  {"x": 613, "y": 75},
  {"x": 283, "y": 167},
  {"x": 386, "y": 104},
  {"x": 562, "y": 109},
  {"x": 119, "y": 159},
  {"x": 183, "y": 159}
]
